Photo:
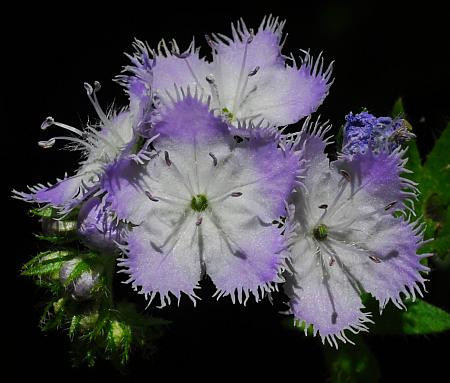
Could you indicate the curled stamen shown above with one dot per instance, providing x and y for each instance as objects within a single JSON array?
[
  {"x": 47, "y": 144},
  {"x": 88, "y": 88},
  {"x": 374, "y": 259},
  {"x": 97, "y": 86},
  {"x": 210, "y": 78},
  {"x": 345, "y": 174},
  {"x": 150, "y": 197},
  {"x": 199, "y": 221},
  {"x": 389, "y": 205},
  {"x": 214, "y": 158},
  {"x": 253, "y": 72},
  {"x": 236, "y": 194},
  {"x": 167, "y": 158},
  {"x": 49, "y": 121},
  {"x": 323, "y": 206}
]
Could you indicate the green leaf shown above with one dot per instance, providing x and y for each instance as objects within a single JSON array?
[
  {"x": 419, "y": 318},
  {"x": 398, "y": 109},
  {"x": 352, "y": 363}
]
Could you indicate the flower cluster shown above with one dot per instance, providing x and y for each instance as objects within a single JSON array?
[{"x": 197, "y": 177}]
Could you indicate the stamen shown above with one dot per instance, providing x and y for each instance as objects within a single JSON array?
[
  {"x": 389, "y": 205},
  {"x": 167, "y": 158},
  {"x": 47, "y": 144},
  {"x": 214, "y": 158},
  {"x": 94, "y": 101},
  {"x": 210, "y": 79},
  {"x": 332, "y": 261},
  {"x": 374, "y": 259},
  {"x": 323, "y": 206},
  {"x": 236, "y": 194},
  {"x": 241, "y": 73},
  {"x": 49, "y": 121},
  {"x": 199, "y": 221},
  {"x": 150, "y": 197},
  {"x": 345, "y": 174}
]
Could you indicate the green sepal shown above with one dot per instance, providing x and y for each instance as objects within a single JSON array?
[
  {"x": 352, "y": 363},
  {"x": 43, "y": 212},
  {"x": 47, "y": 262},
  {"x": 56, "y": 239},
  {"x": 398, "y": 110}
]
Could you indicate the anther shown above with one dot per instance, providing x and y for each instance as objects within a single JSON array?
[
  {"x": 331, "y": 263},
  {"x": 389, "y": 205},
  {"x": 48, "y": 122},
  {"x": 47, "y": 144},
  {"x": 97, "y": 86},
  {"x": 150, "y": 197},
  {"x": 236, "y": 194},
  {"x": 199, "y": 221},
  {"x": 253, "y": 72},
  {"x": 214, "y": 158},
  {"x": 210, "y": 78},
  {"x": 375, "y": 259},
  {"x": 323, "y": 206},
  {"x": 345, "y": 174},
  {"x": 88, "y": 88},
  {"x": 209, "y": 41},
  {"x": 167, "y": 158}
]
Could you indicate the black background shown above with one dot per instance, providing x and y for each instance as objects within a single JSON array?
[{"x": 382, "y": 51}]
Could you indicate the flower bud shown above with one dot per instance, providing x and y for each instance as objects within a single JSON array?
[{"x": 82, "y": 286}]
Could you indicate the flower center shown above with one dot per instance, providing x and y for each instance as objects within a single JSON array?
[
  {"x": 320, "y": 232},
  {"x": 199, "y": 202}
]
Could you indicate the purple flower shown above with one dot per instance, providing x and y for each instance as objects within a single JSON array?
[
  {"x": 345, "y": 239},
  {"x": 100, "y": 145},
  {"x": 204, "y": 204},
  {"x": 98, "y": 228},
  {"x": 248, "y": 78},
  {"x": 364, "y": 131}
]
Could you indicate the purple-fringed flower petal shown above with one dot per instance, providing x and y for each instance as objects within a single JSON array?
[
  {"x": 97, "y": 227},
  {"x": 380, "y": 254},
  {"x": 61, "y": 193},
  {"x": 163, "y": 258},
  {"x": 138, "y": 84},
  {"x": 323, "y": 296},
  {"x": 100, "y": 147},
  {"x": 345, "y": 239},
  {"x": 376, "y": 178},
  {"x": 180, "y": 69},
  {"x": 217, "y": 197}
]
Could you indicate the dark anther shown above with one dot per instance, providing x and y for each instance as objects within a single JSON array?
[
  {"x": 389, "y": 205},
  {"x": 375, "y": 259},
  {"x": 214, "y": 158},
  {"x": 236, "y": 194},
  {"x": 253, "y": 72},
  {"x": 199, "y": 221},
  {"x": 323, "y": 206},
  {"x": 345, "y": 174},
  {"x": 331, "y": 263},
  {"x": 150, "y": 197},
  {"x": 167, "y": 158}
]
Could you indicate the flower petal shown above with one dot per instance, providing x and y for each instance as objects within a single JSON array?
[
  {"x": 323, "y": 295},
  {"x": 376, "y": 178},
  {"x": 242, "y": 254},
  {"x": 284, "y": 95},
  {"x": 163, "y": 255},
  {"x": 67, "y": 191},
  {"x": 381, "y": 255}
]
